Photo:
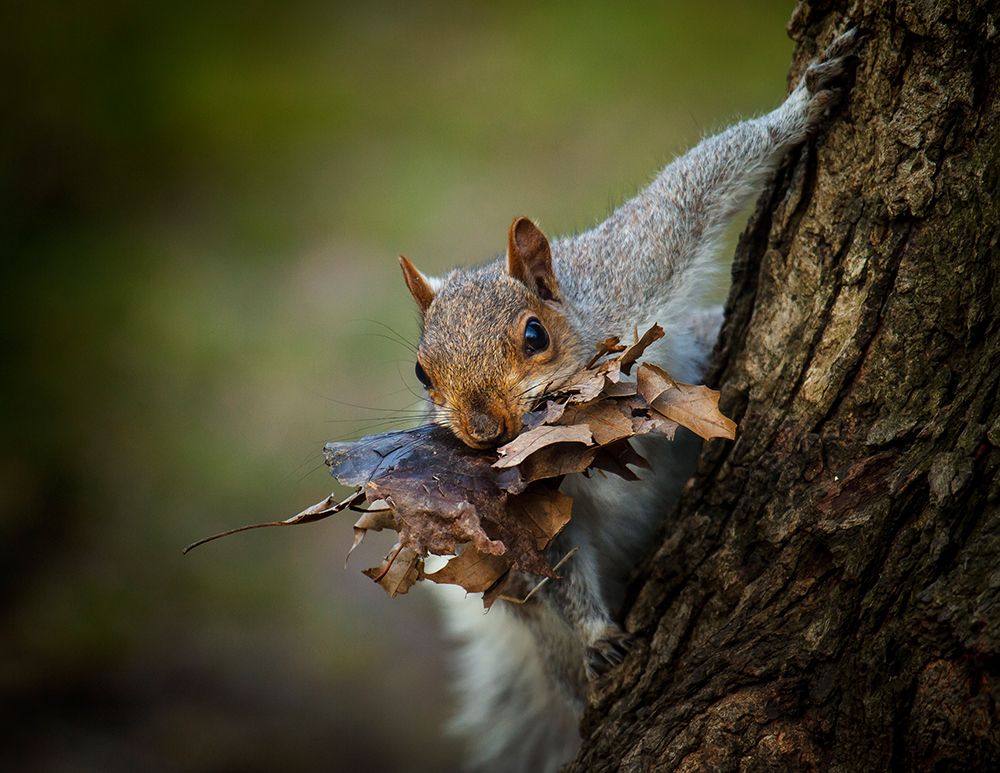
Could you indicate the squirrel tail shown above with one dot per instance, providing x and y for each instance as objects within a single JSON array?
[{"x": 514, "y": 717}]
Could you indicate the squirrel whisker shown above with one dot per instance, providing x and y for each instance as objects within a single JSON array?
[{"x": 396, "y": 337}]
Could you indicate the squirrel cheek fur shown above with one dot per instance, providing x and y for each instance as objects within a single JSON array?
[
  {"x": 523, "y": 671},
  {"x": 484, "y": 405}
]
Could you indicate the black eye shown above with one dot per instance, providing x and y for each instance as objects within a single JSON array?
[
  {"x": 535, "y": 338},
  {"x": 422, "y": 376}
]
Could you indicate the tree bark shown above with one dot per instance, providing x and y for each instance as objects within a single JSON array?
[{"x": 827, "y": 595}]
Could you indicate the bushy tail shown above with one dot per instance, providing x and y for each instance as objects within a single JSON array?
[{"x": 512, "y": 716}]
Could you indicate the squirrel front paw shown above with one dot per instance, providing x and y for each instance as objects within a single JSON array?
[
  {"x": 609, "y": 649},
  {"x": 826, "y": 78}
]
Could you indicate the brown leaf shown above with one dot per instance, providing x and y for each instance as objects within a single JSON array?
[
  {"x": 612, "y": 372},
  {"x": 646, "y": 420},
  {"x": 694, "y": 407},
  {"x": 498, "y": 517},
  {"x": 607, "y": 346},
  {"x": 651, "y": 421},
  {"x": 472, "y": 570},
  {"x": 527, "y": 443},
  {"x": 529, "y": 524},
  {"x": 317, "y": 512},
  {"x": 549, "y": 413},
  {"x": 441, "y": 530},
  {"x": 619, "y": 388},
  {"x": 608, "y": 420},
  {"x": 588, "y": 385},
  {"x": 440, "y": 490},
  {"x": 542, "y": 514},
  {"x": 398, "y": 572},
  {"x": 375, "y": 520},
  {"x": 630, "y": 355},
  {"x": 651, "y": 382},
  {"x": 499, "y": 588},
  {"x": 553, "y": 462}
]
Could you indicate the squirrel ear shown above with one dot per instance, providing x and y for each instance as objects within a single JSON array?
[
  {"x": 420, "y": 287},
  {"x": 529, "y": 258}
]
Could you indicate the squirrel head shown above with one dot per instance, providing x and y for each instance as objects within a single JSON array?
[{"x": 494, "y": 339}]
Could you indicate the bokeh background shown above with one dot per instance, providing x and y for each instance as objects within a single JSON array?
[{"x": 202, "y": 209}]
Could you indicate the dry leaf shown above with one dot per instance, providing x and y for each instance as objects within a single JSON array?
[
  {"x": 608, "y": 420},
  {"x": 617, "y": 458},
  {"x": 527, "y": 443},
  {"x": 588, "y": 385},
  {"x": 444, "y": 495},
  {"x": 553, "y": 462},
  {"x": 607, "y": 346},
  {"x": 542, "y": 514},
  {"x": 501, "y": 587},
  {"x": 549, "y": 413},
  {"x": 619, "y": 389},
  {"x": 694, "y": 407},
  {"x": 634, "y": 352},
  {"x": 398, "y": 572},
  {"x": 472, "y": 570},
  {"x": 317, "y": 512},
  {"x": 497, "y": 517},
  {"x": 373, "y": 519},
  {"x": 651, "y": 382}
]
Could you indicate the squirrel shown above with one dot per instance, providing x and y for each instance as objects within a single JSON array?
[{"x": 497, "y": 338}]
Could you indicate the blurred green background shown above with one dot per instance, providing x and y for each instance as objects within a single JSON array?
[{"x": 202, "y": 209}]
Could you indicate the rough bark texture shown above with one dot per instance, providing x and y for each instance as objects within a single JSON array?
[{"x": 828, "y": 594}]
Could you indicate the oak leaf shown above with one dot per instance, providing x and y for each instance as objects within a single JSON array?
[
  {"x": 694, "y": 407},
  {"x": 472, "y": 570}
]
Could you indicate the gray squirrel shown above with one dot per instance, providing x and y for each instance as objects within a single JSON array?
[{"x": 498, "y": 337}]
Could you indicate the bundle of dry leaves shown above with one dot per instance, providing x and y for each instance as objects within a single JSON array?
[{"x": 494, "y": 513}]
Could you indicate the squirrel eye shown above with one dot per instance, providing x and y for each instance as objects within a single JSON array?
[
  {"x": 535, "y": 338},
  {"x": 422, "y": 376}
]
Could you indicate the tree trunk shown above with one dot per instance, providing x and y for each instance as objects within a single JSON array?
[{"x": 828, "y": 593}]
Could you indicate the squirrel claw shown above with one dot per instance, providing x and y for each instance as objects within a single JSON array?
[
  {"x": 844, "y": 44},
  {"x": 832, "y": 67},
  {"x": 609, "y": 650},
  {"x": 827, "y": 78},
  {"x": 824, "y": 76}
]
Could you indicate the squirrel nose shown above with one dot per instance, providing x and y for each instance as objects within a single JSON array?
[{"x": 486, "y": 428}]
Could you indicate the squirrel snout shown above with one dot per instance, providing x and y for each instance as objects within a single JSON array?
[{"x": 487, "y": 429}]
